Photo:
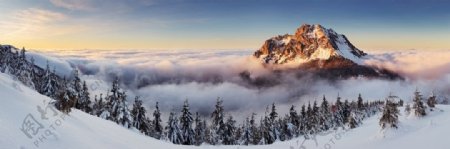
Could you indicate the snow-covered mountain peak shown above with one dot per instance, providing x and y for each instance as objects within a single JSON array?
[{"x": 310, "y": 42}]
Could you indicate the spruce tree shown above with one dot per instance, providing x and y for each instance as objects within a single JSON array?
[
  {"x": 346, "y": 111},
  {"x": 76, "y": 86},
  {"x": 174, "y": 134},
  {"x": 407, "y": 109},
  {"x": 157, "y": 127},
  {"x": 325, "y": 115},
  {"x": 104, "y": 108},
  {"x": 230, "y": 131},
  {"x": 352, "y": 122},
  {"x": 288, "y": 129},
  {"x": 360, "y": 103},
  {"x": 118, "y": 110},
  {"x": 247, "y": 134},
  {"x": 419, "y": 108},
  {"x": 431, "y": 102},
  {"x": 49, "y": 83},
  {"x": 186, "y": 121},
  {"x": 272, "y": 125},
  {"x": 217, "y": 126},
  {"x": 23, "y": 70},
  {"x": 294, "y": 120},
  {"x": 199, "y": 130},
  {"x": 65, "y": 98},
  {"x": 309, "y": 122},
  {"x": 138, "y": 115},
  {"x": 303, "y": 120},
  {"x": 84, "y": 100},
  {"x": 389, "y": 117},
  {"x": 338, "y": 114},
  {"x": 36, "y": 77},
  {"x": 264, "y": 129},
  {"x": 315, "y": 118},
  {"x": 256, "y": 136}
]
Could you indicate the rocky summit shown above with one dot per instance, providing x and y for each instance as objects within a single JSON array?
[
  {"x": 310, "y": 42},
  {"x": 321, "y": 50}
]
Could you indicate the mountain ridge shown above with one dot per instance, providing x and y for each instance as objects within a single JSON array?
[{"x": 319, "y": 50}]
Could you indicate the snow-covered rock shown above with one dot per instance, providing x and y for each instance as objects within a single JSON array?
[
  {"x": 321, "y": 51},
  {"x": 310, "y": 42}
]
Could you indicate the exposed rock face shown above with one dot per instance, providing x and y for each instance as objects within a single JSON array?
[
  {"x": 320, "y": 51},
  {"x": 310, "y": 42}
]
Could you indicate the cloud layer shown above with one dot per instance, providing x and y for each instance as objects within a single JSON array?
[{"x": 201, "y": 76}]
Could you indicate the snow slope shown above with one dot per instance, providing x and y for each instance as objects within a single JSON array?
[{"x": 80, "y": 130}]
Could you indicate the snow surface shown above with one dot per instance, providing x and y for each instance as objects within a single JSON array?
[
  {"x": 80, "y": 130},
  {"x": 322, "y": 54},
  {"x": 345, "y": 50}
]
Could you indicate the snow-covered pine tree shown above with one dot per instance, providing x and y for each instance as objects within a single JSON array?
[
  {"x": 400, "y": 103},
  {"x": 352, "y": 122},
  {"x": 389, "y": 117},
  {"x": 293, "y": 123},
  {"x": 13, "y": 64},
  {"x": 117, "y": 101},
  {"x": 84, "y": 101},
  {"x": 346, "y": 111},
  {"x": 325, "y": 115},
  {"x": 65, "y": 98},
  {"x": 3, "y": 54},
  {"x": 273, "y": 125},
  {"x": 407, "y": 109},
  {"x": 173, "y": 130},
  {"x": 238, "y": 134},
  {"x": 149, "y": 126},
  {"x": 217, "y": 128},
  {"x": 264, "y": 129},
  {"x": 186, "y": 121},
  {"x": 76, "y": 86},
  {"x": 207, "y": 136},
  {"x": 23, "y": 72},
  {"x": 95, "y": 107},
  {"x": 303, "y": 120},
  {"x": 419, "y": 108},
  {"x": 308, "y": 122},
  {"x": 199, "y": 130},
  {"x": 287, "y": 129},
  {"x": 103, "y": 108},
  {"x": 360, "y": 104},
  {"x": 230, "y": 131},
  {"x": 338, "y": 115},
  {"x": 247, "y": 135},
  {"x": 138, "y": 115},
  {"x": 36, "y": 77},
  {"x": 121, "y": 113},
  {"x": 315, "y": 119},
  {"x": 49, "y": 83},
  {"x": 157, "y": 126},
  {"x": 431, "y": 101}
]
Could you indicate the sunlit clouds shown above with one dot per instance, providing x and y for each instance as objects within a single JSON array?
[{"x": 31, "y": 22}]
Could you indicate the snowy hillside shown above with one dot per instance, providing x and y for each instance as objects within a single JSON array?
[{"x": 28, "y": 123}]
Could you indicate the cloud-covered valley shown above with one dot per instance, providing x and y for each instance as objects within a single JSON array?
[{"x": 171, "y": 76}]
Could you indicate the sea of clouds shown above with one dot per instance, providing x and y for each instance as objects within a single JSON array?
[{"x": 201, "y": 76}]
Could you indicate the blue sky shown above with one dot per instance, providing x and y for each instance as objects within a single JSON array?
[{"x": 219, "y": 24}]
